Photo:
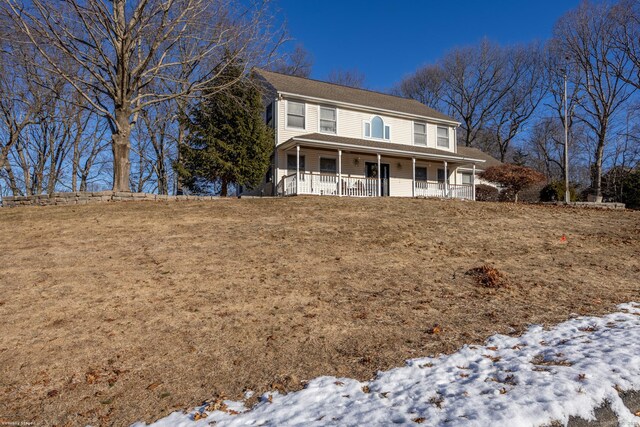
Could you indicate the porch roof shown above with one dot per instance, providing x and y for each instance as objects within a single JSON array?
[{"x": 332, "y": 142}]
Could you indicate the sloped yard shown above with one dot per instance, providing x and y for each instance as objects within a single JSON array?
[{"x": 116, "y": 313}]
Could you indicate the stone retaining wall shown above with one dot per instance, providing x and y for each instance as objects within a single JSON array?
[
  {"x": 588, "y": 205},
  {"x": 83, "y": 198}
]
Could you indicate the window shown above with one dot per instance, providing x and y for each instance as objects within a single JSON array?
[
  {"x": 421, "y": 173},
  {"x": 420, "y": 134},
  {"x": 377, "y": 129},
  {"x": 291, "y": 163},
  {"x": 295, "y": 114},
  {"x": 441, "y": 175},
  {"x": 269, "y": 115},
  {"x": 443, "y": 137},
  {"x": 328, "y": 165},
  {"x": 328, "y": 120},
  {"x": 467, "y": 178}
]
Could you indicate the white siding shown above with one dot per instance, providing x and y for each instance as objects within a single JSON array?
[{"x": 350, "y": 123}]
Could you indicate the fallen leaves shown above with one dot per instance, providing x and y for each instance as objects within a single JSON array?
[
  {"x": 435, "y": 330},
  {"x": 488, "y": 277},
  {"x": 154, "y": 385}
]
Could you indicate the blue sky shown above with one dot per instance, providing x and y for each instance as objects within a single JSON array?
[{"x": 388, "y": 39}]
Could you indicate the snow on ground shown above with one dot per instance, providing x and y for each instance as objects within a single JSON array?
[{"x": 541, "y": 376}]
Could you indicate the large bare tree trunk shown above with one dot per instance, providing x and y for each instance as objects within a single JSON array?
[
  {"x": 121, "y": 147},
  {"x": 597, "y": 179}
]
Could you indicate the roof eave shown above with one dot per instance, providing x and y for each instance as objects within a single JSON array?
[{"x": 385, "y": 150}]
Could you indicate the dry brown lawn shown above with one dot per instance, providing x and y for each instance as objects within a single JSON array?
[{"x": 120, "y": 312}]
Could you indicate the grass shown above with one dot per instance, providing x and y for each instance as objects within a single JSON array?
[{"x": 120, "y": 312}]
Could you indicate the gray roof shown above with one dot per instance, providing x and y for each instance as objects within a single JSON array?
[
  {"x": 478, "y": 154},
  {"x": 333, "y": 92},
  {"x": 366, "y": 143}
]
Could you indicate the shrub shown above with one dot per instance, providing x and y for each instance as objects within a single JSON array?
[
  {"x": 487, "y": 193},
  {"x": 513, "y": 177},
  {"x": 554, "y": 192},
  {"x": 631, "y": 190}
]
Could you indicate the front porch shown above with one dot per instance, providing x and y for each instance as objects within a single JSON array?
[
  {"x": 312, "y": 168},
  {"x": 320, "y": 184}
]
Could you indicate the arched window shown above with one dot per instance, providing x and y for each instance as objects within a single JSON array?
[{"x": 377, "y": 129}]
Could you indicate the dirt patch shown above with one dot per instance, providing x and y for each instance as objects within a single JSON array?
[{"x": 114, "y": 313}]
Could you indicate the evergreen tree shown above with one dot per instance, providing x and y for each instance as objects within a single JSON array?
[{"x": 228, "y": 141}]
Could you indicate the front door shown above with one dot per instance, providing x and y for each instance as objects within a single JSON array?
[{"x": 372, "y": 172}]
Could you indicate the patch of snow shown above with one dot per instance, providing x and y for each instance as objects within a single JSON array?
[{"x": 539, "y": 377}]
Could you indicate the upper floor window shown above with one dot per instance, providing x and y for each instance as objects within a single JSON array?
[
  {"x": 443, "y": 137},
  {"x": 269, "y": 115},
  {"x": 420, "y": 134},
  {"x": 328, "y": 120},
  {"x": 295, "y": 114},
  {"x": 377, "y": 129}
]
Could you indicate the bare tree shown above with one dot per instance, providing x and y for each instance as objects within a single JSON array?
[
  {"x": 586, "y": 36},
  {"x": 351, "y": 78},
  {"x": 527, "y": 84},
  {"x": 122, "y": 47},
  {"x": 157, "y": 145},
  {"x": 477, "y": 79},
  {"x": 426, "y": 85},
  {"x": 21, "y": 101},
  {"x": 296, "y": 63},
  {"x": 626, "y": 38}
]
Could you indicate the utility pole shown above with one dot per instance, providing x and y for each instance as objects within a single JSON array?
[{"x": 567, "y": 193}]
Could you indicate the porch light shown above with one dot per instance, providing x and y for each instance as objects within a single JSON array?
[{"x": 356, "y": 161}]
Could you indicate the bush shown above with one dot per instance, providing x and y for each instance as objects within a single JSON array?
[
  {"x": 631, "y": 190},
  {"x": 487, "y": 193},
  {"x": 513, "y": 177},
  {"x": 554, "y": 192}
]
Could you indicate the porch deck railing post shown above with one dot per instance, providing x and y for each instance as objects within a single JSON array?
[
  {"x": 413, "y": 178},
  {"x": 339, "y": 172},
  {"x": 378, "y": 176},
  {"x": 473, "y": 183},
  {"x": 446, "y": 180},
  {"x": 297, "y": 168}
]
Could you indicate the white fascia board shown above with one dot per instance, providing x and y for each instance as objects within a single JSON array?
[{"x": 395, "y": 151}]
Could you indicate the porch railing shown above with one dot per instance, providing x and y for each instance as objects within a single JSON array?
[
  {"x": 430, "y": 189},
  {"x": 327, "y": 185},
  {"x": 360, "y": 187},
  {"x": 461, "y": 191}
]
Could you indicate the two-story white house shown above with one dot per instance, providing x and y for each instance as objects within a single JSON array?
[{"x": 337, "y": 140}]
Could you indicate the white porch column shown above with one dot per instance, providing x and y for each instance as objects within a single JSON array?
[
  {"x": 297, "y": 168},
  {"x": 339, "y": 172},
  {"x": 413, "y": 186},
  {"x": 473, "y": 183},
  {"x": 446, "y": 180},
  {"x": 379, "y": 181}
]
